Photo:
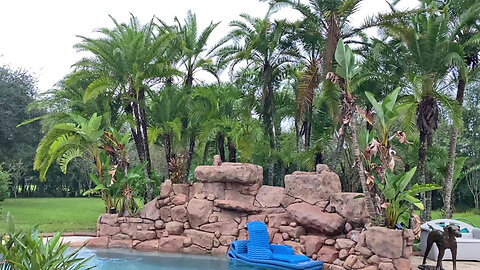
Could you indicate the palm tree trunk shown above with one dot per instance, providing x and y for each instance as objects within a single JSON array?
[
  {"x": 191, "y": 149},
  {"x": 221, "y": 145},
  {"x": 167, "y": 145},
  {"x": 422, "y": 153},
  {"x": 205, "y": 153},
  {"x": 143, "y": 119},
  {"x": 452, "y": 154},
  {"x": 361, "y": 173},
  {"x": 232, "y": 151}
]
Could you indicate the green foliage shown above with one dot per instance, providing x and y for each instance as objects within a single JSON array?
[
  {"x": 4, "y": 181},
  {"x": 398, "y": 197},
  {"x": 27, "y": 250}
]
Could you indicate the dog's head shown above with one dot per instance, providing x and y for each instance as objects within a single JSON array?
[{"x": 452, "y": 230}]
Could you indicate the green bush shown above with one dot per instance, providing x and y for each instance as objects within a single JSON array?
[
  {"x": 4, "y": 179},
  {"x": 26, "y": 250}
]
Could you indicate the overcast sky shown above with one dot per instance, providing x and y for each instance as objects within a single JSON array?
[{"x": 39, "y": 35}]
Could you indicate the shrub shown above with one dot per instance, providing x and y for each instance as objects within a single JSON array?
[
  {"x": 27, "y": 250},
  {"x": 4, "y": 179}
]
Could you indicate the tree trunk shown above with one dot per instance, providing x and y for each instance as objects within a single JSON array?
[
  {"x": 361, "y": 173},
  {"x": 422, "y": 152},
  {"x": 232, "y": 151},
  {"x": 452, "y": 148},
  {"x": 221, "y": 145},
  {"x": 167, "y": 145},
  {"x": 191, "y": 149},
  {"x": 205, "y": 153}
]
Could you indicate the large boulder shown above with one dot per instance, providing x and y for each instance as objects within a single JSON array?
[
  {"x": 384, "y": 242},
  {"x": 198, "y": 212},
  {"x": 224, "y": 227},
  {"x": 243, "y": 173},
  {"x": 172, "y": 243},
  {"x": 313, "y": 217},
  {"x": 352, "y": 209},
  {"x": 269, "y": 196},
  {"x": 312, "y": 187},
  {"x": 203, "y": 239}
]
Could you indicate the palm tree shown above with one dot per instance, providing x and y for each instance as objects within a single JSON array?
[
  {"x": 263, "y": 45},
  {"x": 190, "y": 47},
  {"x": 66, "y": 141},
  {"x": 464, "y": 17},
  {"x": 432, "y": 52},
  {"x": 126, "y": 61}
]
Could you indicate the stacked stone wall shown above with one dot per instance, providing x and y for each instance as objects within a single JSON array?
[{"x": 310, "y": 214}]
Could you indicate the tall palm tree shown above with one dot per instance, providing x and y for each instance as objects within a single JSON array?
[
  {"x": 126, "y": 61},
  {"x": 191, "y": 47},
  {"x": 432, "y": 52},
  {"x": 263, "y": 45},
  {"x": 464, "y": 19}
]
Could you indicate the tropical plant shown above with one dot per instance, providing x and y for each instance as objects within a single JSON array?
[
  {"x": 264, "y": 46},
  {"x": 344, "y": 77},
  {"x": 397, "y": 197},
  {"x": 127, "y": 60},
  {"x": 24, "y": 250}
]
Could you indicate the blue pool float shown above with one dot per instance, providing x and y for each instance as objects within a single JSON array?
[{"x": 258, "y": 251}]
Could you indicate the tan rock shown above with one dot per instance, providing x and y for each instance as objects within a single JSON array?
[
  {"x": 202, "y": 239},
  {"x": 217, "y": 161},
  {"x": 98, "y": 242},
  {"x": 344, "y": 243},
  {"x": 227, "y": 215},
  {"x": 321, "y": 167},
  {"x": 297, "y": 247},
  {"x": 402, "y": 264},
  {"x": 313, "y": 217},
  {"x": 343, "y": 254},
  {"x": 215, "y": 189},
  {"x": 386, "y": 266},
  {"x": 374, "y": 259},
  {"x": 226, "y": 239},
  {"x": 148, "y": 245},
  {"x": 224, "y": 227},
  {"x": 121, "y": 236},
  {"x": 109, "y": 219},
  {"x": 384, "y": 242},
  {"x": 328, "y": 254},
  {"x": 260, "y": 217},
  {"x": 247, "y": 174},
  {"x": 236, "y": 205},
  {"x": 294, "y": 232},
  {"x": 172, "y": 243},
  {"x": 350, "y": 261},
  {"x": 277, "y": 238},
  {"x": 174, "y": 228},
  {"x": 275, "y": 220},
  {"x": 221, "y": 250},
  {"x": 330, "y": 242},
  {"x": 165, "y": 189},
  {"x": 144, "y": 235},
  {"x": 193, "y": 249},
  {"x": 199, "y": 211},
  {"x": 179, "y": 213},
  {"x": 107, "y": 230},
  {"x": 269, "y": 196},
  {"x": 235, "y": 195},
  {"x": 312, "y": 243},
  {"x": 287, "y": 200},
  {"x": 159, "y": 224},
  {"x": 353, "y": 209},
  {"x": 181, "y": 189},
  {"x": 187, "y": 242},
  {"x": 120, "y": 244},
  {"x": 179, "y": 199},
  {"x": 165, "y": 213},
  {"x": 312, "y": 188}
]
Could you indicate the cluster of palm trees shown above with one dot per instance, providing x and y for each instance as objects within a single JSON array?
[{"x": 289, "y": 102}]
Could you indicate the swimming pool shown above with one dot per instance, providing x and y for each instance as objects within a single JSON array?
[{"x": 119, "y": 259}]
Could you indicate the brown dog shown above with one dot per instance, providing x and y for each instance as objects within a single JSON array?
[{"x": 444, "y": 239}]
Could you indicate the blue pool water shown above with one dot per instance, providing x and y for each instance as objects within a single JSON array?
[{"x": 118, "y": 259}]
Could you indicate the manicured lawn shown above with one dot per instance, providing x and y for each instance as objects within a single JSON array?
[
  {"x": 53, "y": 214},
  {"x": 470, "y": 215}
]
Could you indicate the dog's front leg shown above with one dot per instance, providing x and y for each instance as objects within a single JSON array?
[{"x": 454, "y": 256}]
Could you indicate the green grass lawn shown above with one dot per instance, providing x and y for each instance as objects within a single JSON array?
[
  {"x": 470, "y": 215},
  {"x": 53, "y": 214}
]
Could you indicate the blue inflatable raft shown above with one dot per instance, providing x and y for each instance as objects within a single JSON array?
[{"x": 258, "y": 251}]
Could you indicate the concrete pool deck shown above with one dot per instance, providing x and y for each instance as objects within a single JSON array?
[{"x": 461, "y": 265}]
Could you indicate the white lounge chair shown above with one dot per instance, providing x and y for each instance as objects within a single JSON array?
[{"x": 468, "y": 245}]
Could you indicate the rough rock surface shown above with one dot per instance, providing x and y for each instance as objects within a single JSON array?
[
  {"x": 237, "y": 206},
  {"x": 199, "y": 211},
  {"x": 352, "y": 209},
  {"x": 313, "y": 217},
  {"x": 385, "y": 242},
  {"x": 247, "y": 174},
  {"x": 269, "y": 196},
  {"x": 312, "y": 187}
]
